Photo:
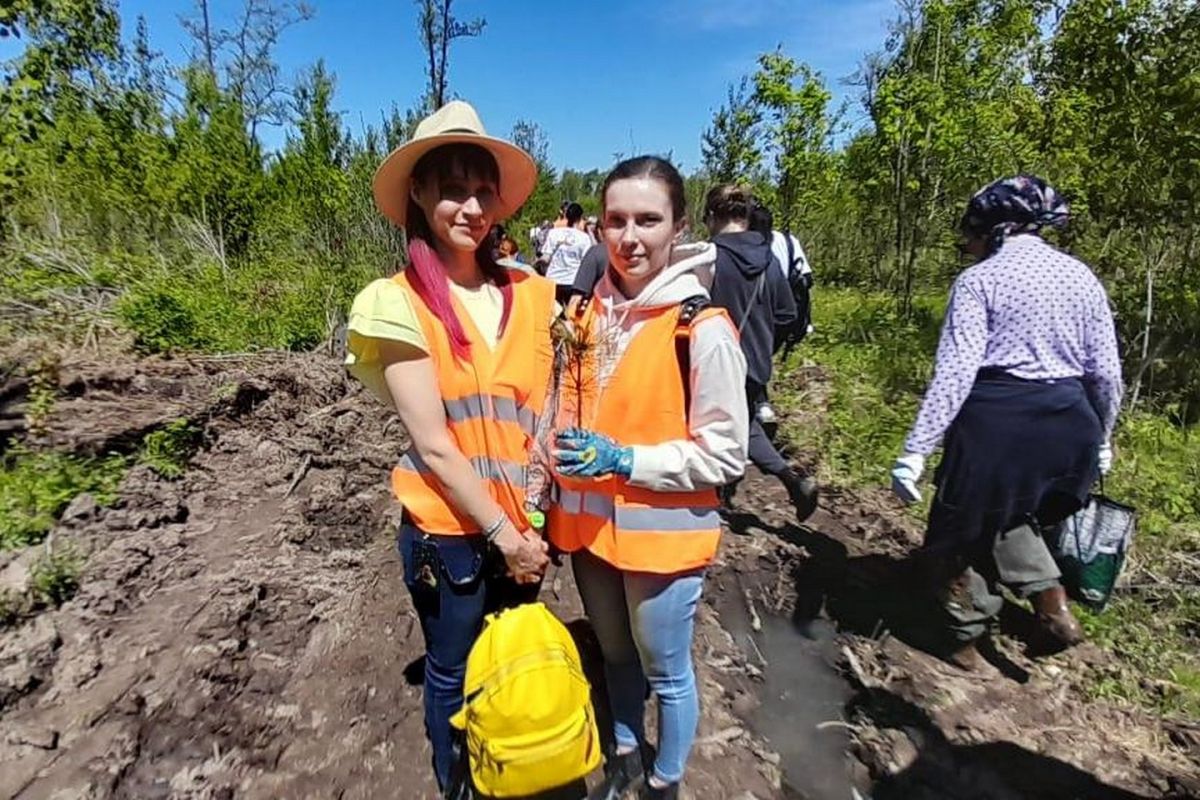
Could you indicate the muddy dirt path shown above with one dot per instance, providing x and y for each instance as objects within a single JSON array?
[{"x": 243, "y": 632}]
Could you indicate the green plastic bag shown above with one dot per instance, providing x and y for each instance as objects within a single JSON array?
[{"x": 1092, "y": 545}]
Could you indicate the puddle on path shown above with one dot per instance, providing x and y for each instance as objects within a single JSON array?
[{"x": 803, "y": 697}]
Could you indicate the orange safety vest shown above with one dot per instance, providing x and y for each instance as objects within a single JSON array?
[
  {"x": 631, "y": 527},
  {"x": 492, "y": 401}
]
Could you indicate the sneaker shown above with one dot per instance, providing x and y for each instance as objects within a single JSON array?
[
  {"x": 621, "y": 774},
  {"x": 651, "y": 792}
]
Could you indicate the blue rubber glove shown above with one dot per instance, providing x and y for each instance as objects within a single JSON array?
[{"x": 590, "y": 454}]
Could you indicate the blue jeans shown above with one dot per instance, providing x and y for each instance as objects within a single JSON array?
[
  {"x": 644, "y": 625},
  {"x": 470, "y": 583}
]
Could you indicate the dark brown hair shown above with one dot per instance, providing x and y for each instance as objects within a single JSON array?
[
  {"x": 729, "y": 201},
  {"x": 651, "y": 167}
]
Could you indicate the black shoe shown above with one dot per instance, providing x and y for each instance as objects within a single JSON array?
[
  {"x": 802, "y": 492},
  {"x": 668, "y": 792},
  {"x": 621, "y": 773}
]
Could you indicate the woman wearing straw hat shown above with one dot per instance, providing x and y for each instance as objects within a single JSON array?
[{"x": 461, "y": 347}]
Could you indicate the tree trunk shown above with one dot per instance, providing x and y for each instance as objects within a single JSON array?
[
  {"x": 208, "y": 46},
  {"x": 1147, "y": 357},
  {"x": 446, "y": 34}
]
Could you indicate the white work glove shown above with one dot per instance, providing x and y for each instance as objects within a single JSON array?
[
  {"x": 1106, "y": 457},
  {"x": 905, "y": 474}
]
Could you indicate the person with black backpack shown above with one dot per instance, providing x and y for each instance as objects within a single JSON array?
[
  {"x": 750, "y": 285},
  {"x": 794, "y": 264}
]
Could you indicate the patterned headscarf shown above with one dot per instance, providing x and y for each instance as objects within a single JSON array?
[{"x": 1020, "y": 204}]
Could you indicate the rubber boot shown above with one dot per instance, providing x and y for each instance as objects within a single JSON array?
[
  {"x": 1055, "y": 617},
  {"x": 621, "y": 773},
  {"x": 802, "y": 492}
]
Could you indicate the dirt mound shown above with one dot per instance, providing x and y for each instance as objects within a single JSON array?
[{"x": 244, "y": 632}]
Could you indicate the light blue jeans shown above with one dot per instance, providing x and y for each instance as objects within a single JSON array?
[{"x": 644, "y": 625}]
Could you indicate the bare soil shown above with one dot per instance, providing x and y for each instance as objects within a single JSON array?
[{"x": 243, "y": 632}]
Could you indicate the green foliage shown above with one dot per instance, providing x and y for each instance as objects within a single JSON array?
[
  {"x": 168, "y": 450},
  {"x": 35, "y": 487},
  {"x": 43, "y": 394},
  {"x": 160, "y": 322},
  {"x": 54, "y": 578},
  {"x": 878, "y": 361},
  {"x": 65, "y": 37},
  {"x": 1091, "y": 94},
  {"x": 730, "y": 147}
]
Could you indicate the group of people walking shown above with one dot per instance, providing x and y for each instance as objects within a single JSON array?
[{"x": 612, "y": 442}]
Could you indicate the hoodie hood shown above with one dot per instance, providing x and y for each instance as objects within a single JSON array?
[
  {"x": 749, "y": 251},
  {"x": 688, "y": 273}
]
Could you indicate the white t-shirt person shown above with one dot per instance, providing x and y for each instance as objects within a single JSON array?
[
  {"x": 563, "y": 250},
  {"x": 779, "y": 249}
]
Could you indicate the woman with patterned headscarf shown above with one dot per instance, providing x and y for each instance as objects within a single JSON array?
[{"x": 1025, "y": 394}]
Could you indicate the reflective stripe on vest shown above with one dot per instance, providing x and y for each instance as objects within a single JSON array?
[
  {"x": 640, "y": 518},
  {"x": 489, "y": 469},
  {"x": 499, "y": 409}
]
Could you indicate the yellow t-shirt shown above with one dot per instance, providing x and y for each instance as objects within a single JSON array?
[{"x": 384, "y": 311}]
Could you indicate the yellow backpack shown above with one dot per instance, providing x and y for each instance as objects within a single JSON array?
[{"x": 527, "y": 708}]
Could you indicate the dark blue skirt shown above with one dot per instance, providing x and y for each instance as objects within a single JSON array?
[{"x": 1018, "y": 451}]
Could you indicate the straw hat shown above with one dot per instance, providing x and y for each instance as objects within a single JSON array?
[{"x": 452, "y": 123}]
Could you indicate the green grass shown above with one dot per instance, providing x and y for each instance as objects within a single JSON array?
[
  {"x": 1156, "y": 630},
  {"x": 877, "y": 366},
  {"x": 35, "y": 488}
]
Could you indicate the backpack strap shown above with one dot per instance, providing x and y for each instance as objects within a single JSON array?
[
  {"x": 753, "y": 301},
  {"x": 791, "y": 251},
  {"x": 689, "y": 311}
]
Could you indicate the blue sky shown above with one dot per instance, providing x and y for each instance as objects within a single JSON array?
[{"x": 599, "y": 77}]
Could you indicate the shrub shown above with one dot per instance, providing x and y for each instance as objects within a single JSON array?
[
  {"x": 54, "y": 578},
  {"x": 159, "y": 322},
  {"x": 167, "y": 450},
  {"x": 35, "y": 487}
]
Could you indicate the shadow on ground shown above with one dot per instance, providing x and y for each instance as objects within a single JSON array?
[
  {"x": 870, "y": 594},
  {"x": 875, "y": 593},
  {"x": 992, "y": 771}
]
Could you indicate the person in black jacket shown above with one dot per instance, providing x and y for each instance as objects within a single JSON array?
[{"x": 751, "y": 286}]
